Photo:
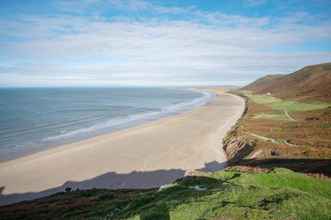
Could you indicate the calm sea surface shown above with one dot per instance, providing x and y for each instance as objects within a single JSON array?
[{"x": 33, "y": 119}]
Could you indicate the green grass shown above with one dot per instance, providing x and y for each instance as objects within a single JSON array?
[
  {"x": 293, "y": 106},
  {"x": 325, "y": 125},
  {"x": 264, "y": 99},
  {"x": 286, "y": 105},
  {"x": 272, "y": 116},
  {"x": 279, "y": 194}
]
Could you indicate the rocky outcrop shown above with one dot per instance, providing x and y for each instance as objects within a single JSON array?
[{"x": 238, "y": 148}]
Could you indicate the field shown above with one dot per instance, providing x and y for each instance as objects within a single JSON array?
[
  {"x": 231, "y": 194},
  {"x": 286, "y": 133},
  {"x": 286, "y": 105}
]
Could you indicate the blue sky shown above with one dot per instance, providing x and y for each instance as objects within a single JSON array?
[{"x": 155, "y": 42}]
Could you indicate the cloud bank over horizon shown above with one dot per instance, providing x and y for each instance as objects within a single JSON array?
[{"x": 152, "y": 43}]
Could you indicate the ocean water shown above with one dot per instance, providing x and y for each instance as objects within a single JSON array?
[{"x": 34, "y": 119}]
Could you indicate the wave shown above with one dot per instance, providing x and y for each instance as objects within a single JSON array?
[{"x": 130, "y": 120}]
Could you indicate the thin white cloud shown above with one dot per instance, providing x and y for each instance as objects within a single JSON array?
[
  {"x": 142, "y": 5},
  {"x": 207, "y": 48}
]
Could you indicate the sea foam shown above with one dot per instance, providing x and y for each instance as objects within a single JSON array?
[{"x": 131, "y": 120}]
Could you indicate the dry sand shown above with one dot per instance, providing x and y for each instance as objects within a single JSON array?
[{"x": 143, "y": 156}]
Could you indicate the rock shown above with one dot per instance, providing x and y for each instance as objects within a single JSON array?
[{"x": 238, "y": 148}]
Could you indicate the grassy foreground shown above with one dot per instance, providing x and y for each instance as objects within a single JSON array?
[{"x": 278, "y": 194}]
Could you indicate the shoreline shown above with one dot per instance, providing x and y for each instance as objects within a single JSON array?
[
  {"x": 187, "y": 141},
  {"x": 204, "y": 100},
  {"x": 122, "y": 123}
]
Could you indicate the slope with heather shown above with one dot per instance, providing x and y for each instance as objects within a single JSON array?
[
  {"x": 309, "y": 83},
  {"x": 287, "y": 122},
  {"x": 231, "y": 194}
]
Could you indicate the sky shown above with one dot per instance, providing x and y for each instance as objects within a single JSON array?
[{"x": 159, "y": 42}]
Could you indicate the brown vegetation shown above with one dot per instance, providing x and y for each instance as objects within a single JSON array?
[
  {"x": 308, "y": 83},
  {"x": 301, "y": 145},
  {"x": 269, "y": 138}
]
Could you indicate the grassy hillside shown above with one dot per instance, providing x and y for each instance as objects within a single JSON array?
[
  {"x": 283, "y": 133},
  {"x": 288, "y": 121},
  {"x": 308, "y": 83},
  {"x": 263, "y": 83},
  {"x": 277, "y": 194}
]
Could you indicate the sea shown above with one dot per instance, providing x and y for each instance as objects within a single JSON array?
[{"x": 36, "y": 119}]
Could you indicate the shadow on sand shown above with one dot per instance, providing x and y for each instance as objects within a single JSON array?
[
  {"x": 111, "y": 180},
  {"x": 154, "y": 179}
]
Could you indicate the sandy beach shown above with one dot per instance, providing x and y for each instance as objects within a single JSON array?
[{"x": 147, "y": 155}]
